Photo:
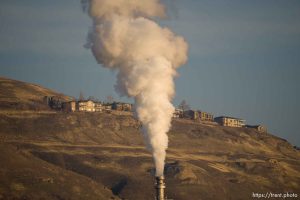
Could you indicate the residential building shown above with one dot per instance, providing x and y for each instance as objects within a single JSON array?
[
  {"x": 191, "y": 114},
  {"x": 98, "y": 107},
  {"x": 70, "y": 106},
  {"x": 205, "y": 116},
  {"x": 178, "y": 113},
  {"x": 121, "y": 106},
  {"x": 106, "y": 107},
  {"x": 230, "y": 121},
  {"x": 260, "y": 128},
  {"x": 88, "y": 106}
]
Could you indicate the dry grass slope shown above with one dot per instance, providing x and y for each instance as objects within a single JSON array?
[{"x": 18, "y": 95}]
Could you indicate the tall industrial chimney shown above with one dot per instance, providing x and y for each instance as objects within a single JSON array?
[{"x": 160, "y": 188}]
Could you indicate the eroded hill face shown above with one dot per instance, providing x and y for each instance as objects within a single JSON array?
[{"x": 102, "y": 156}]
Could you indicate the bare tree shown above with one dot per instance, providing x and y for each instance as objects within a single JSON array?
[
  {"x": 184, "y": 105},
  {"x": 109, "y": 99},
  {"x": 92, "y": 98},
  {"x": 81, "y": 97}
]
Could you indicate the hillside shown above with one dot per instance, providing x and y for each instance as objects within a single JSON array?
[
  {"x": 57, "y": 155},
  {"x": 18, "y": 95}
]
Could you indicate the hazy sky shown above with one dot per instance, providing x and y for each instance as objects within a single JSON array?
[{"x": 244, "y": 56}]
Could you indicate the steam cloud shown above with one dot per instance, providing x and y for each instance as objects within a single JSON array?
[{"x": 126, "y": 38}]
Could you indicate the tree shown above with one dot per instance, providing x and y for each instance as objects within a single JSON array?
[
  {"x": 184, "y": 105},
  {"x": 92, "y": 98},
  {"x": 109, "y": 99},
  {"x": 81, "y": 97}
]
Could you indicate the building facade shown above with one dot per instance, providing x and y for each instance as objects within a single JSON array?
[
  {"x": 106, "y": 107},
  {"x": 230, "y": 121},
  {"x": 191, "y": 114},
  {"x": 87, "y": 106},
  {"x": 121, "y": 106},
  {"x": 70, "y": 106},
  {"x": 259, "y": 128},
  {"x": 205, "y": 116},
  {"x": 98, "y": 107},
  {"x": 178, "y": 113}
]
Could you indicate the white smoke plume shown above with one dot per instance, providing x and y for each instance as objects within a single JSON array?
[{"x": 126, "y": 38}]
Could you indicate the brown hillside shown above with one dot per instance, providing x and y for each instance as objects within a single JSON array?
[
  {"x": 102, "y": 156},
  {"x": 18, "y": 95}
]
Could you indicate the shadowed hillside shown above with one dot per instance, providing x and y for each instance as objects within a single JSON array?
[{"x": 56, "y": 155}]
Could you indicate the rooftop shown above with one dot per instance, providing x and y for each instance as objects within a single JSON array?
[{"x": 230, "y": 118}]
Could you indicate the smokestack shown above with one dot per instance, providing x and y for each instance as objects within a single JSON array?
[{"x": 160, "y": 188}]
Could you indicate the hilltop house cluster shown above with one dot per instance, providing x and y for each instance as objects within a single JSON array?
[
  {"x": 57, "y": 103},
  {"x": 201, "y": 116}
]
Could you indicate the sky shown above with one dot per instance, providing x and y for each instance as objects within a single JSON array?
[{"x": 244, "y": 56}]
